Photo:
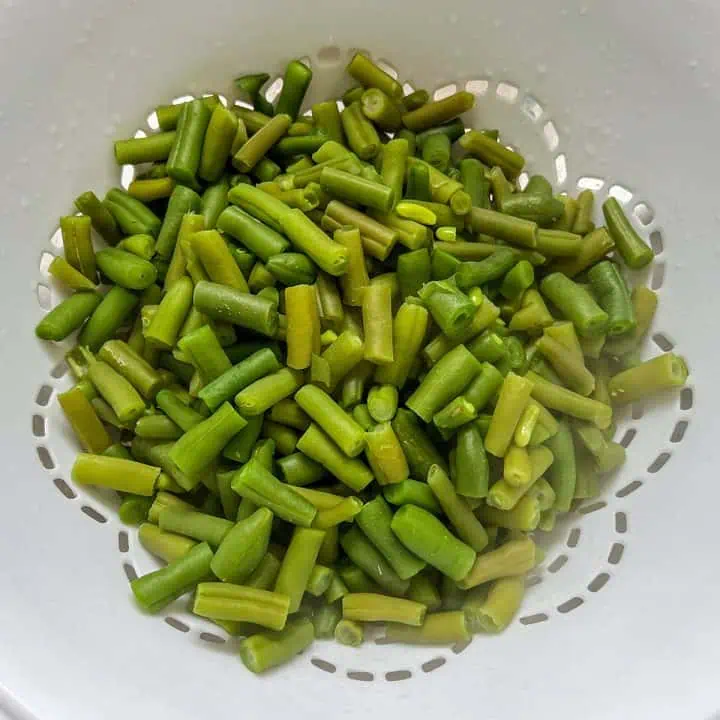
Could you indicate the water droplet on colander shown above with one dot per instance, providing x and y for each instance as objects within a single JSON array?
[
  {"x": 542, "y": 69},
  {"x": 693, "y": 64},
  {"x": 452, "y": 18}
]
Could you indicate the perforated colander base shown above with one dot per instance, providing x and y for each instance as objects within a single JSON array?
[{"x": 588, "y": 547}]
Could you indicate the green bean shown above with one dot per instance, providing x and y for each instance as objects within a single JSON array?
[
  {"x": 513, "y": 398},
  {"x": 471, "y": 474},
  {"x": 393, "y": 165},
  {"x": 169, "y": 115},
  {"x": 361, "y": 135},
  {"x": 151, "y": 148},
  {"x": 116, "y": 473},
  {"x": 512, "y": 559},
  {"x": 378, "y": 240},
  {"x": 444, "y": 628},
  {"x": 569, "y": 367},
  {"x": 436, "y": 151},
  {"x": 613, "y": 296},
  {"x": 633, "y": 250},
  {"x": 326, "y": 617},
  {"x": 204, "y": 442},
  {"x": 565, "y": 401},
  {"x": 63, "y": 271},
  {"x": 583, "y": 222},
  {"x": 381, "y": 109},
  {"x": 251, "y": 85},
  {"x": 493, "y": 153},
  {"x": 417, "y": 446},
  {"x": 368, "y": 74},
  {"x": 327, "y": 119},
  {"x": 68, "y": 316},
  {"x": 418, "y": 183},
  {"x": 261, "y": 395},
  {"x": 298, "y": 563},
  {"x": 644, "y": 302},
  {"x": 285, "y": 438},
  {"x": 126, "y": 269},
  {"x": 445, "y": 381},
  {"x": 594, "y": 247},
  {"x": 143, "y": 246},
  {"x": 412, "y": 492},
  {"x": 317, "y": 446},
  {"x": 565, "y": 223},
  {"x": 363, "y": 553},
  {"x": 451, "y": 309},
  {"x": 167, "y": 546},
  {"x": 77, "y": 244},
  {"x": 295, "y": 84},
  {"x": 382, "y": 402},
  {"x": 242, "y": 549},
  {"x": 84, "y": 421},
  {"x": 378, "y": 324},
  {"x": 356, "y": 189},
  {"x": 664, "y": 372},
  {"x": 257, "y": 484},
  {"x": 486, "y": 383},
  {"x": 132, "y": 367},
  {"x": 575, "y": 303},
  {"x": 230, "y": 305},
  {"x": 221, "y": 601},
  {"x": 131, "y": 215},
  {"x": 183, "y": 416},
  {"x": 492, "y": 611},
  {"x": 213, "y": 252},
  {"x": 349, "y": 632},
  {"x": 425, "y": 536},
  {"x": 438, "y": 112},
  {"x": 456, "y": 413},
  {"x": 476, "y": 273},
  {"x": 320, "y": 579},
  {"x": 299, "y": 470},
  {"x": 468, "y": 528},
  {"x": 385, "y": 455},
  {"x": 255, "y": 149},
  {"x": 423, "y": 590},
  {"x": 158, "y": 589},
  {"x": 342, "y": 356},
  {"x": 184, "y": 159},
  {"x": 101, "y": 218},
  {"x": 267, "y": 650},
  {"x": 413, "y": 271}
]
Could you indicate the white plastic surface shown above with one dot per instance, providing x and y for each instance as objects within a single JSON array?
[{"x": 624, "y": 621}]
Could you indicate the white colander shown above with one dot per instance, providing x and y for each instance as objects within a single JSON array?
[{"x": 621, "y": 621}]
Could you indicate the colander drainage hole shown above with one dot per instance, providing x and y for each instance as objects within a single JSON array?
[
  {"x": 663, "y": 342},
  {"x": 628, "y": 437},
  {"x": 360, "y": 675},
  {"x": 45, "y": 458},
  {"x": 533, "y": 619},
  {"x": 38, "y": 426},
  {"x": 59, "y": 370},
  {"x": 656, "y": 242},
  {"x": 594, "y": 507},
  {"x": 686, "y": 399},
  {"x": 324, "y": 665},
  {"x": 658, "y": 276},
  {"x": 44, "y": 296},
  {"x": 177, "y": 624},
  {"x": 212, "y": 638},
  {"x": 329, "y": 56},
  {"x": 574, "y": 537},
  {"x": 396, "y": 675},
  {"x": 43, "y": 396},
  {"x": 598, "y": 582},
  {"x": 616, "y": 553},
  {"x": 558, "y": 563},
  {"x": 123, "y": 543},
  {"x": 64, "y": 489},
  {"x": 621, "y": 523},
  {"x": 628, "y": 489},
  {"x": 433, "y": 664},
  {"x": 678, "y": 432},
  {"x": 570, "y": 605},
  {"x": 93, "y": 514},
  {"x": 460, "y": 647},
  {"x": 659, "y": 462}
]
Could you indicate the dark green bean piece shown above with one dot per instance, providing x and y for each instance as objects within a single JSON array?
[
  {"x": 248, "y": 156},
  {"x": 133, "y": 217},
  {"x": 575, "y": 303},
  {"x": 125, "y": 269},
  {"x": 213, "y": 202},
  {"x": 102, "y": 219},
  {"x": 68, "y": 316},
  {"x": 327, "y": 120},
  {"x": 368, "y": 74},
  {"x": 356, "y": 189},
  {"x": 267, "y": 650},
  {"x": 184, "y": 160},
  {"x": 478, "y": 273},
  {"x": 421, "y": 454},
  {"x": 152, "y": 148},
  {"x": 360, "y": 132},
  {"x": 450, "y": 308},
  {"x": 633, "y": 250},
  {"x": 107, "y": 318},
  {"x": 444, "y": 265},
  {"x": 184, "y": 200},
  {"x": 412, "y": 492},
  {"x": 381, "y": 109},
  {"x": 413, "y": 271},
  {"x": 438, "y": 112},
  {"x": 217, "y": 143},
  {"x": 583, "y": 222},
  {"x": 436, "y": 151},
  {"x": 251, "y": 85},
  {"x": 240, "y": 448},
  {"x": 613, "y": 296},
  {"x": 295, "y": 84},
  {"x": 224, "y": 303},
  {"x": 157, "y": 589},
  {"x": 493, "y": 153},
  {"x": 292, "y": 268}
]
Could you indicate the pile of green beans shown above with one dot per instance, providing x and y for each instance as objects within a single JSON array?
[{"x": 339, "y": 367}]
